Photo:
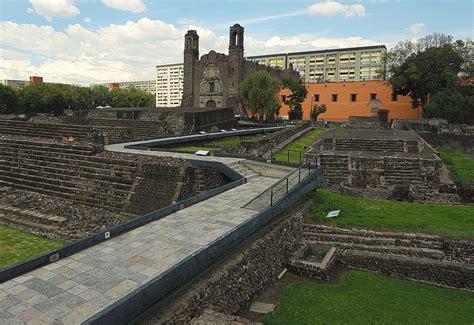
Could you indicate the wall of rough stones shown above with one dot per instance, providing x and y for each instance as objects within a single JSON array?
[
  {"x": 430, "y": 271},
  {"x": 449, "y": 141},
  {"x": 160, "y": 185},
  {"x": 231, "y": 288},
  {"x": 198, "y": 180},
  {"x": 438, "y": 260},
  {"x": 453, "y": 249}
]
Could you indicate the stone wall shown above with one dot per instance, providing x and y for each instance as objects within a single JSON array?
[
  {"x": 433, "y": 272},
  {"x": 198, "y": 180},
  {"x": 449, "y": 141},
  {"x": 439, "y": 260},
  {"x": 231, "y": 288},
  {"x": 460, "y": 250},
  {"x": 364, "y": 122}
]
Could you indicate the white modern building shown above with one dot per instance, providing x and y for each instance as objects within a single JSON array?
[
  {"x": 169, "y": 84},
  {"x": 346, "y": 64},
  {"x": 148, "y": 86}
]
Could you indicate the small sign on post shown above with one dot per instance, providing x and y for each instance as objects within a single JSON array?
[{"x": 334, "y": 214}]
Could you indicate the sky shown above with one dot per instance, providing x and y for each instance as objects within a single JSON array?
[{"x": 92, "y": 41}]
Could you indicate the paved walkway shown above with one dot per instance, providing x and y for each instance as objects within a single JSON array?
[{"x": 75, "y": 288}]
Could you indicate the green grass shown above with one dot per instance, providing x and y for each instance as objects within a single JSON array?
[
  {"x": 233, "y": 141},
  {"x": 451, "y": 220},
  {"x": 364, "y": 298},
  {"x": 460, "y": 164},
  {"x": 193, "y": 149},
  {"x": 17, "y": 246},
  {"x": 299, "y": 145}
]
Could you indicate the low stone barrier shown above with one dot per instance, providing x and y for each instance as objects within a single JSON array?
[{"x": 441, "y": 273}]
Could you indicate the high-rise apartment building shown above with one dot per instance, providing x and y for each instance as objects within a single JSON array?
[
  {"x": 347, "y": 64},
  {"x": 148, "y": 86},
  {"x": 169, "y": 84}
]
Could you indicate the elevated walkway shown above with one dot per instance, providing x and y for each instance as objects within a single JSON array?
[{"x": 102, "y": 281}]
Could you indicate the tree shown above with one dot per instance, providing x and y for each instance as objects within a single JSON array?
[
  {"x": 259, "y": 93},
  {"x": 8, "y": 100},
  {"x": 425, "y": 73},
  {"x": 451, "y": 105},
  {"x": 296, "y": 98},
  {"x": 316, "y": 110},
  {"x": 100, "y": 96},
  {"x": 395, "y": 57}
]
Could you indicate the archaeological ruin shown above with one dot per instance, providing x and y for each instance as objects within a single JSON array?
[
  {"x": 68, "y": 190},
  {"x": 390, "y": 164}
]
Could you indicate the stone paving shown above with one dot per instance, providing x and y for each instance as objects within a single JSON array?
[{"x": 73, "y": 289}]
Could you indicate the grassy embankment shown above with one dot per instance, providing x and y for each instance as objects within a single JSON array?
[
  {"x": 298, "y": 146},
  {"x": 460, "y": 165},
  {"x": 364, "y": 298},
  {"x": 442, "y": 219},
  {"x": 233, "y": 141},
  {"x": 18, "y": 246}
]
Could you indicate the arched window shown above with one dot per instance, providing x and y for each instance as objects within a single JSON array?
[{"x": 211, "y": 103}]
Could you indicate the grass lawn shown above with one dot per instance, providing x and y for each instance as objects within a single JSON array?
[
  {"x": 234, "y": 141},
  {"x": 460, "y": 164},
  {"x": 299, "y": 145},
  {"x": 365, "y": 298},
  {"x": 192, "y": 149},
  {"x": 443, "y": 219},
  {"x": 17, "y": 246}
]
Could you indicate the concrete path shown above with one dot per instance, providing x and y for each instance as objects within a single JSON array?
[{"x": 75, "y": 288}]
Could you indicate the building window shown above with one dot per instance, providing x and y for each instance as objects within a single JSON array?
[
  {"x": 212, "y": 88},
  {"x": 353, "y": 97},
  {"x": 334, "y": 97},
  {"x": 316, "y": 98},
  {"x": 373, "y": 96},
  {"x": 394, "y": 97}
]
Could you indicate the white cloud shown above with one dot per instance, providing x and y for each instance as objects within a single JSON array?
[
  {"x": 30, "y": 10},
  {"x": 126, "y": 5},
  {"x": 129, "y": 51},
  {"x": 55, "y": 8},
  {"x": 417, "y": 29},
  {"x": 87, "y": 20},
  {"x": 333, "y": 8}
]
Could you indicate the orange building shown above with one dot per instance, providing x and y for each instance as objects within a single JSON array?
[{"x": 361, "y": 98}]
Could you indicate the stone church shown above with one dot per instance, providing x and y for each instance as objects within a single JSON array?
[{"x": 214, "y": 79}]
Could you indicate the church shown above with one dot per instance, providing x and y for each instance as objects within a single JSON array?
[{"x": 214, "y": 79}]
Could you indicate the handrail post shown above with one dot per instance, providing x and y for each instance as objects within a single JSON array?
[
  {"x": 299, "y": 175},
  {"x": 271, "y": 196},
  {"x": 300, "y": 157},
  {"x": 288, "y": 155},
  {"x": 287, "y": 185}
]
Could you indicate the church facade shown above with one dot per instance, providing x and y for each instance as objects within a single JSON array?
[{"x": 214, "y": 79}]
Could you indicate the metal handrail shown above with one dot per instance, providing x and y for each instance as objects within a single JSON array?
[{"x": 286, "y": 179}]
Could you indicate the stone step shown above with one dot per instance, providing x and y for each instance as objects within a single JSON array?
[
  {"x": 26, "y": 225},
  {"x": 66, "y": 175},
  {"x": 82, "y": 150},
  {"x": 32, "y": 216},
  {"x": 44, "y": 134},
  {"x": 393, "y": 250},
  {"x": 95, "y": 194},
  {"x": 371, "y": 240},
  {"x": 111, "y": 172},
  {"x": 41, "y": 155},
  {"x": 45, "y": 127},
  {"x": 101, "y": 203},
  {"x": 68, "y": 145}
]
